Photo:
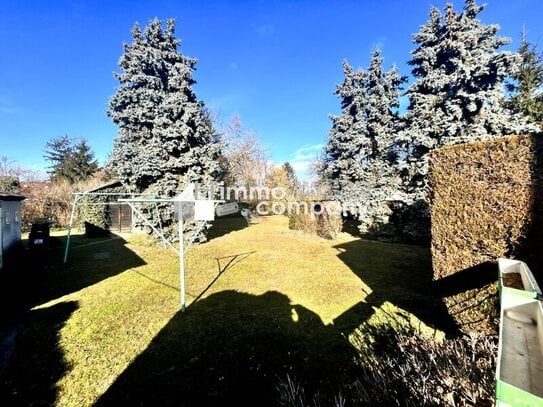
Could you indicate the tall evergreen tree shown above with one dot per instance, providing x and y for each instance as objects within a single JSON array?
[
  {"x": 165, "y": 136},
  {"x": 458, "y": 95},
  {"x": 527, "y": 83},
  {"x": 343, "y": 162},
  {"x": 291, "y": 175},
  {"x": 82, "y": 163},
  {"x": 71, "y": 159},
  {"x": 380, "y": 180},
  {"x": 360, "y": 155}
]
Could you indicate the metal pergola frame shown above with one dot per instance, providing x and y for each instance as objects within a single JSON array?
[{"x": 132, "y": 201}]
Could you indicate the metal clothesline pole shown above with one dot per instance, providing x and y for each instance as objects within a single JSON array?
[
  {"x": 181, "y": 251},
  {"x": 181, "y": 259},
  {"x": 77, "y": 196},
  {"x": 69, "y": 235},
  {"x": 146, "y": 221}
]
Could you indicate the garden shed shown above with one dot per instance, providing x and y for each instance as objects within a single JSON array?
[
  {"x": 117, "y": 218},
  {"x": 10, "y": 222}
]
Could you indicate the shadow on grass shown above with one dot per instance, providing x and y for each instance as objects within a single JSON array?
[
  {"x": 38, "y": 276},
  {"x": 226, "y": 262},
  {"x": 230, "y": 349},
  {"x": 233, "y": 348},
  {"x": 395, "y": 273},
  {"x": 471, "y": 297},
  {"x": 37, "y": 361},
  {"x": 468, "y": 279},
  {"x": 226, "y": 224},
  {"x": 407, "y": 224},
  {"x": 350, "y": 226}
]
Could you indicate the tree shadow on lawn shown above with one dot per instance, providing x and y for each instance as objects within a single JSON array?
[
  {"x": 226, "y": 224},
  {"x": 224, "y": 264},
  {"x": 37, "y": 359},
  {"x": 38, "y": 276},
  {"x": 231, "y": 348},
  {"x": 395, "y": 273}
]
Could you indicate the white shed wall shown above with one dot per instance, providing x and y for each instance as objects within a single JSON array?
[{"x": 11, "y": 223}]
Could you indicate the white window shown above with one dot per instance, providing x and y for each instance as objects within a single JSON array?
[
  {"x": 17, "y": 217},
  {"x": 8, "y": 218}
]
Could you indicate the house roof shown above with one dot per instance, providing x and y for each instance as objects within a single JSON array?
[{"x": 11, "y": 197}]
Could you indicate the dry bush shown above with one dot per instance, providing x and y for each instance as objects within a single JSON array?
[
  {"x": 329, "y": 225},
  {"x": 485, "y": 203},
  {"x": 325, "y": 222},
  {"x": 404, "y": 367},
  {"x": 52, "y": 201},
  {"x": 303, "y": 222},
  {"x": 35, "y": 206}
]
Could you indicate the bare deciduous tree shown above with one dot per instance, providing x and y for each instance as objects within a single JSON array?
[{"x": 246, "y": 160}]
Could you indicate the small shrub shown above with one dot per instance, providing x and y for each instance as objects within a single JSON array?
[
  {"x": 402, "y": 366},
  {"x": 319, "y": 218},
  {"x": 302, "y": 221},
  {"x": 329, "y": 225},
  {"x": 406, "y": 367},
  {"x": 399, "y": 222},
  {"x": 92, "y": 209}
]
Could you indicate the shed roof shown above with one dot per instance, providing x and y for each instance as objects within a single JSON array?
[
  {"x": 111, "y": 184},
  {"x": 11, "y": 197}
]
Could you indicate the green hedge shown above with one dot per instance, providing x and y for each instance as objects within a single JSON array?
[{"x": 486, "y": 202}]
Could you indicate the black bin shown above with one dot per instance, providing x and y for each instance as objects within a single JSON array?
[{"x": 39, "y": 235}]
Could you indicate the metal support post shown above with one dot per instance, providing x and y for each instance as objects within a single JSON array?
[
  {"x": 68, "y": 236},
  {"x": 182, "y": 259}
]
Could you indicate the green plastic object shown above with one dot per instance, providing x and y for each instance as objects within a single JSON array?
[
  {"x": 519, "y": 371},
  {"x": 509, "y": 395}
]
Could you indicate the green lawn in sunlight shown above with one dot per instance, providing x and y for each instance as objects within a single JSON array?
[{"x": 265, "y": 302}]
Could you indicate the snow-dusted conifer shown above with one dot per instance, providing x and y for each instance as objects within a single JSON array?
[
  {"x": 380, "y": 180},
  {"x": 360, "y": 158},
  {"x": 165, "y": 137},
  {"x": 345, "y": 149},
  {"x": 458, "y": 95},
  {"x": 527, "y": 83}
]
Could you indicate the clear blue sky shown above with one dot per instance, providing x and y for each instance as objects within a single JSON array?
[{"x": 275, "y": 63}]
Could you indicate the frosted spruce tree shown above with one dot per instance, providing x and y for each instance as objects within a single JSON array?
[
  {"x": 360, "y": 155},
  {"x": 166, "y": 139},
  {"x": 526, "y": 85},
  {"x": 164, "y": 134},
  {"x": 343, "y": 161},
  {"x": 458, "y": 95}
]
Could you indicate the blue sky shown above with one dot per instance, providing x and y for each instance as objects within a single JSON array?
[{"x": 275, "y": 63}]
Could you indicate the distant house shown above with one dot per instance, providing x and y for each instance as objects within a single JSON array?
[{"x": 10, "y": 219}]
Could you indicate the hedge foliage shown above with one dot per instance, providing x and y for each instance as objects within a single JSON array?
[{"x": 486, "y": 202}]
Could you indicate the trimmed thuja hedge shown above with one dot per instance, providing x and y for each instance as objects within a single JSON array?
[{"x": 486, "y": 202}]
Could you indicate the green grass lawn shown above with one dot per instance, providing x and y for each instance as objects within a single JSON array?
[{"x": 265, "y": 302}]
